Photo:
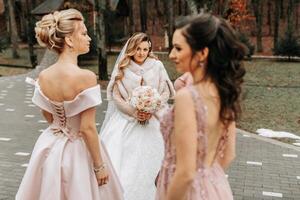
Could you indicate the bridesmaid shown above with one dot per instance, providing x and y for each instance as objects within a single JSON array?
[
  {"x": 199, "y": 131},
  {"x": 68, "y": 160}
]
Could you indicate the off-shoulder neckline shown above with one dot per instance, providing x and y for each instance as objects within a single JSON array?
[{"x": 66, "y": 101}]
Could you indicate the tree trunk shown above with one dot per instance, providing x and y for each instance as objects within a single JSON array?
[
  {"x": 157, "y": 8},
  {"x": 290, "y": 14},
  {"x": 281, "y": 9},
  {"x": 221, "y": 6},
  {"x": 6, "y": 13},
  {"x": 30, "y": 35},
  {"x": 270, "y": 17},
  {"x": 143, "y": 15},
  {"x": 101, "y": 6},
  {"x": 185, "y": 8},
  {"x": 260, "y": 24},
  {"x": 131, "y": 22},
  {"x": 179, "y": 7},
  {"x": 297, "y": 18},
  {"x": 23, "y": 21},
  {"x": 258, "y": 12},
  {"x": 276, "y": 22},
  {"x": 14, "y": 38},
  {"x": 170, "y": 12}
]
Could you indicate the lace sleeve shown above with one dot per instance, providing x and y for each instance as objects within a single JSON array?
[
  {"x": 165, "y": 93},
  {"x": 166, "y": 88},
  {"x": 121, "y": 104}
]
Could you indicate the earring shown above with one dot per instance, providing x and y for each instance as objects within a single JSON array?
[{"x": 200, "y": 64}]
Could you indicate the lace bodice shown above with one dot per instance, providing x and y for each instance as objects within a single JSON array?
[
  {"x": 66, "y": 114},
  {"x": 167, "y": 126}
]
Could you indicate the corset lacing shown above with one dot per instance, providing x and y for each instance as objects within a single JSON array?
[{"x": 59, "y": 126}]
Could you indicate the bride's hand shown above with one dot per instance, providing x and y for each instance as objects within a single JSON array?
[
  {"x": 143, "y": 116},
  {"x": 102, "y": 176}
]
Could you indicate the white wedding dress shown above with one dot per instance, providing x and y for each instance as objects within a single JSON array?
[{"x": 136, "y": 150}]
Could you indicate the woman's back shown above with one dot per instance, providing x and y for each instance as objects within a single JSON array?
[
  {"x": 62, "y": 83},
  {"x": 210, "y": 181},
  {"x": 214, "y": 129}
]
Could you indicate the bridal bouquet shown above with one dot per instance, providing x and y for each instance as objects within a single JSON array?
[{"x": 145, "y": 99}]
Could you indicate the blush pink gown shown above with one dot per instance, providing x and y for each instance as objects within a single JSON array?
[
  {"x": 60, "y": 167},
  {"x": 210, "y": 183}
]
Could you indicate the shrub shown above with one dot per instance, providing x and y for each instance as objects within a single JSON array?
[
  {"x": 288, "y": 46},
  {"x": 4, "y": 43}
]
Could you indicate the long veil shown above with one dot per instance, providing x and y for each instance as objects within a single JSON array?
[{"x": 111, "y": 108}]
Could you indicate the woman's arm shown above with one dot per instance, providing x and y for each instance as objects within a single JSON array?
[
  {"x": 165, "y": 86},
  {"x": 90, "y": 135},
  {"x": 185, "y": 140},
  {"x": 229, "y": 151},
  {"x": 165, "y": 94},
  {"x": 121, "y": 104}
]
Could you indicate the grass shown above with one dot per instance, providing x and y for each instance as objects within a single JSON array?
[{"x": 271, "y": 95}]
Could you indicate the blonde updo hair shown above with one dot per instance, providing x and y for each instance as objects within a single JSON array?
[
  {"x": 52, "y": 29},
  {"x": 133, "y": 42}
]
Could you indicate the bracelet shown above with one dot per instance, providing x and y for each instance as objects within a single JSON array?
[{"x": 98, "y": 169}]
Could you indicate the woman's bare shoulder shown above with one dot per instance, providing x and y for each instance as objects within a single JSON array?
[
  {"x": 87, "y": 78},
  {"x": 183, "y": 97}
]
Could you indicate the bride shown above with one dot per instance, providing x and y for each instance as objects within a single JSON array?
[{"x": 136, "y": 150}]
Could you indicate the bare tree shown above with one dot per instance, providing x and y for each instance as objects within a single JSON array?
[
  {"x": 282, "y": 9},
  {"x": 297, "y": 17},
  {"x": 258, "y": 12},
  {"x": 6, "y": 13},
  {"x": 276, "y": 22},
  {"x": 157, "y": 8},
  {"x": 143, "y": 15},
  {"x": 269, "y": 21},
  {"x": 101, "y": 6},
  {"x": 222, "y": 6},
  {"x": 170, "y": 19},
  {"x": 30, "y": 34},
  {"x": 130, "y": 17},
  {"x": 14, "y": 37},
  {"x": 290, "y": 11}
]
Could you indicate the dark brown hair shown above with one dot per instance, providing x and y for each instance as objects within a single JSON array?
[{"x": 224, "y": 66}]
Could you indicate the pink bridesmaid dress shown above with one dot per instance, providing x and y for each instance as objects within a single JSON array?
[
  {"x": 210, "y": 183},
  {"x": 60, "y": 167}
]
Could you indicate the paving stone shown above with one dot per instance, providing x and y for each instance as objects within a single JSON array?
[{"x": 276, "y": 174}]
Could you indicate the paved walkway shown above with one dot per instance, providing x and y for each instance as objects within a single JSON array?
[{"x": 263, "y": 169}]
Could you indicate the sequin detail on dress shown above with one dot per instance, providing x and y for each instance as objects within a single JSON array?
[{"x": 210, "y": 183}]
